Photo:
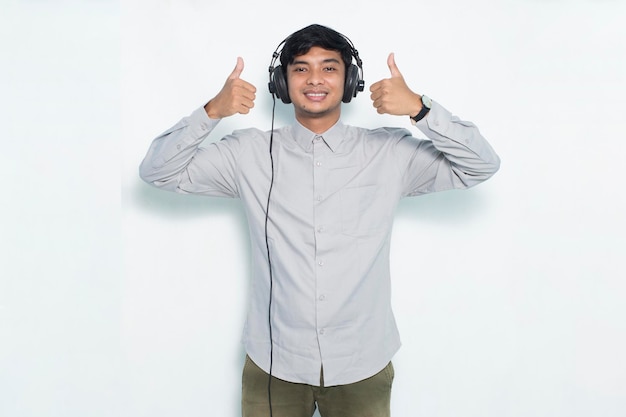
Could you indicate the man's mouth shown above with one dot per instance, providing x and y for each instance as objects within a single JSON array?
[{"x": 315, "y": 96}]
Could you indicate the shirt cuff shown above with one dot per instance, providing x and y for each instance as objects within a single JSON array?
[
  {"x": 436, "y": 122},
  {"x": 200, "y": 123}
]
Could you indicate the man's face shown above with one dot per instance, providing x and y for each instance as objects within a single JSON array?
[{"x": 316, "y": 82}]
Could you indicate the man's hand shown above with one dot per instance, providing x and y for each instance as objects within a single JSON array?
[
  {"x": 237, "y": 96},
  {"x": 393, "y": 96}
]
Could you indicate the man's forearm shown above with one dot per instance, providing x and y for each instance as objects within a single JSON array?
[
  {"x": 171, "y": 152},
  {"x": 469, "y": 153}
]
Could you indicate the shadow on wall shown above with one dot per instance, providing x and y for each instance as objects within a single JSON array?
[
  {"x": 173, "y": 205},
  {"x": 453, "y": 206}
]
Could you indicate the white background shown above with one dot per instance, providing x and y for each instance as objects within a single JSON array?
[{"x": 509, "y": 296}]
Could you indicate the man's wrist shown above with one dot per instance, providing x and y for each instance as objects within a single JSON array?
[
  {"x": 208, "y": 108},
  {"x": 426, "y": 104}
]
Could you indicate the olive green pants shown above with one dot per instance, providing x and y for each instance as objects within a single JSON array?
[{"x": 367, "y": 398}]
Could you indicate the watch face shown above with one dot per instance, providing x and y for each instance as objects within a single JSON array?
[{"x": 426, "y": 101}]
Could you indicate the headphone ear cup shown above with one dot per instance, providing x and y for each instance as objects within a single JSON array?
[
  {"x": 279, "y": 84},
  {"x": 352, "y": 83}
]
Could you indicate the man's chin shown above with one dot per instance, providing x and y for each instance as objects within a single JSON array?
[{"x": 318, "y": 111}]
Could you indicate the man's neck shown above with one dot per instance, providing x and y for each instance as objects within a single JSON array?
[{"x": 318, "y": 125}]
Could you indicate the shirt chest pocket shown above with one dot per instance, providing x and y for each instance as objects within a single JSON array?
[{"x": 362, "y": 211}]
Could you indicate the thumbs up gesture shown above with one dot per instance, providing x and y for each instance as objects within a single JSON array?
[
  {"x": 393, "y": 96},
  {"x": 237, "y": 96}
]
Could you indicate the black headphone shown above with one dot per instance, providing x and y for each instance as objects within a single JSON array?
[{"x": 354, "y": 76}]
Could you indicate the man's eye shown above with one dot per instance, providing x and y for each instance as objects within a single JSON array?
[
  {"x": 330, "y": 69},
  {"x": 300, "y": 69}
]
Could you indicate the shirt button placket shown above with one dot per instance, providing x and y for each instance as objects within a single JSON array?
[
  {"x": 319, "y": 181},
  {"x": 317, "y": 158}
]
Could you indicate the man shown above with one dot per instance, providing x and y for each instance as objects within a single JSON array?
[{"x": 319, "y": 197}]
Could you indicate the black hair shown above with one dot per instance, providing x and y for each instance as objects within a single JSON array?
[{"x": 299, "y": 43}]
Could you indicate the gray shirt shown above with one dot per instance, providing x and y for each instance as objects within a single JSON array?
[{"x": 331, "y": 214}]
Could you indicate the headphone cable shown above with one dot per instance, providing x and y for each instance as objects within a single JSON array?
[{"x": 269, "y": 261}]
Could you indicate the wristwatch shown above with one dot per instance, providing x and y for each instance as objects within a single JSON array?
[{"x": 426, "y": 104}]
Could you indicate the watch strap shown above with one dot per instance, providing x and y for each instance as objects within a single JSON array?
[{"x": 422, "y": 113}]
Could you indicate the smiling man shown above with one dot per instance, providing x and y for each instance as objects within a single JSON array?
[{"x": 319, "y": 196}]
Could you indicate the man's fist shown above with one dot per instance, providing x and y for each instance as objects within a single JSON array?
[
  {"x": 393, "y": 96},
  {"x": 237, "y": 96}
]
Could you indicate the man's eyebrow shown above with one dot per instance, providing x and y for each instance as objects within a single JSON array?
[{"x": 326, "y": 61}]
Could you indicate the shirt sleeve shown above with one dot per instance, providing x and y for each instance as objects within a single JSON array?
[
  {"x": 457, "y": 156},
  {"x": 176, "y": 162}
]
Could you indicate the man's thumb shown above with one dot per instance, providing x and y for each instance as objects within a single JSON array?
[
  {"x": 238, "y": 69},
  {"x": 393, "y": 68}
]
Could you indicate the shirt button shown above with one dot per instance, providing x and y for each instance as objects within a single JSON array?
[
  {"x": 320, "y": 262},
  {"x": 318, "y": 198},
  {"x": 320, "y": 229},
  {"x": 318, "y": 163},
  {"x": 322, "y": 331},
  {"x": 322, "y": 297}
]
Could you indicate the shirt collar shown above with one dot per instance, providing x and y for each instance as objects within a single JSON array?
[{"x": 332, "y": 137}]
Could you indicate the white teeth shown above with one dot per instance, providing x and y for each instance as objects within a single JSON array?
[{"x": 316, "y": 94}]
